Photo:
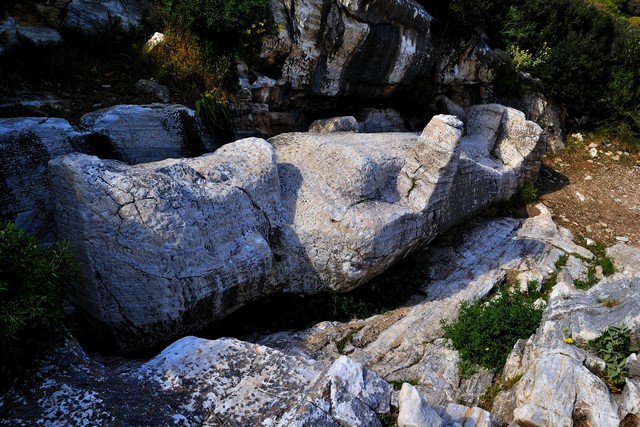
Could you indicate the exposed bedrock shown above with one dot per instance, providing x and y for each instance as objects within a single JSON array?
[
  {"x": 131, "y": 133},
  {"x": 171, "y": 246},
  {"x": 333, "y": 57}
]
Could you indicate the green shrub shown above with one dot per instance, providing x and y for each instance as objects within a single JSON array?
[
  {"x": 485, "y": 332},
  {"x": 225, "y": 26},
  {"x": 614, "y": 346},
  {"x": 31, "y": 282}
]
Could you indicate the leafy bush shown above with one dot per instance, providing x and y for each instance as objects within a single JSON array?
[
  {"x": 485, "y": 332},
  {"x": 225, "y": 26},
  {"x": 614, "y": 347},
  {"x": 31, "y": 281}
]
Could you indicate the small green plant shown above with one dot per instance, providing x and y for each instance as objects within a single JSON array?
[
  {"x": 466, "y": 369},
  {"x": 485, "y": 332},
  {"x": 602, "y": 260},
  {"x": 529, "y": 194},
  {"x": 214, "y": 111},
  {"x": 614, "y": 346},
  {"x": 31, "y": 282},
  {"x": 342, "y": 343},
  {"x": 489, "y": 396}
]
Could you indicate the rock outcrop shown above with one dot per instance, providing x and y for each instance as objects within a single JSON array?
[
  {"x": 558, "y": 383},
  {"x": 129, "y": 133},
  {"x": 300, "y": 378},
  {"x": 170, "y": 246},
  {"x": 26, "y": 145},
  {"x": 89, "y": 15},
  {"x": 326, "y": 55},
  {"x": 201, "y": 382}
]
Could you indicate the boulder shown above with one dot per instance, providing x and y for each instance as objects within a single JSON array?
[
  {"x": 414, "y": 411},
  {"x": 199, "y": 382},
  {"x": 336, "y": 210},
  {"x": 130, "y": 133},
  {"x": 26, "y": 145},
  {"x": 335, "y": 124},
  {"x": 168, "y": 247},
  {"x": 161, "y": 92},
  {"x": 147, "y": 133},
  {"x": 38, "y": 35},
  {"x": 8, "y": 34},
  {"x": 89, "y": 15}
]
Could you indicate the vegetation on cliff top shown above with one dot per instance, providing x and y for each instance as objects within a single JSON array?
[{"x": 586, "y": 54}]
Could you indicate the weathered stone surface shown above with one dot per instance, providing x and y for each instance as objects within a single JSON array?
[
  {"x": 405, "y": 344},
  {"x": 156, "y": 39},
  {"x": 71, "y": 389},
  {"x": 161, "y": 92},
  {"x": 382, "y": 120},
  {"x": 328, "y": 47},
  {"x": 447, "y": 106},
  {"x": 556, "y": 383},
  {"x": 630, "y": 399},
  {"x": 471, "y": 63},
  {"x": 626, "y": 259},
  {"x": 38, "y": 35},
  {"x": 91, "y": 14},
  {"x": 335, "y": 124},
  {"x": 26, "y": 145},
  {"x": 196, "y": 382},
  {"x": 538, "y": 109},
  {"x": 414, "y": 411},
  {"x": 337, "y": 210},
  {"x": 146, "y": 133},
  {"x": 454, "y": 414},
  {"x": 8, "y": 34},
  {"x": 151, "y": 273},
  {"x": 131, "y": 133}
]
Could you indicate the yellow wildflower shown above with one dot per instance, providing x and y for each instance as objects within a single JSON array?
[{"x": 568, "y": 340}]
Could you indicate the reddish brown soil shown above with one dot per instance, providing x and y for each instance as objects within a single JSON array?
[{"x": 595, "y": 197}]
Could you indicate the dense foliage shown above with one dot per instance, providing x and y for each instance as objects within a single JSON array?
[
  {"x": 225, "y": 26},
  {"x": 485, "y": 332},
  {"x": 587, "y": 54},
  {"x": 31, "y": 282},
  {"x": 614, "y": 346}
]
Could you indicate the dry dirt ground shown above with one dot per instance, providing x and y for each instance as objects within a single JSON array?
[{"x": 593, "y": 188}]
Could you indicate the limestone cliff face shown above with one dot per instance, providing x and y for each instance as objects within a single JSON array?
[
  {"x": 330, "y": 53},
  {"x": 346, "y": 47}
]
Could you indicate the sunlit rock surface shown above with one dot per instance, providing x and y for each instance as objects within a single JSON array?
[{"x": 168, "y": 247}]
